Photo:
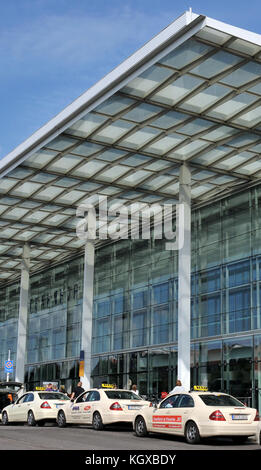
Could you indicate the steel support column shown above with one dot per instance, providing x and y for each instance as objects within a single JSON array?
[
  {"x": 86, "y": 343},
  {"x": 23, "y": 314},
  {"x": 184, "y": 289}
]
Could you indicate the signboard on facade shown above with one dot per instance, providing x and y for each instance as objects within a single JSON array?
[{"x": 9, "y": 366}]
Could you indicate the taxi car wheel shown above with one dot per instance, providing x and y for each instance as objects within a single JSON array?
[
  {"x": 5, "y": 421},
  {"x": 31, "y": 419},
  {"x": 97, "y": 421},
  {"x": 140, "y": 427},
  {"x": 61, "y": 419},
  {"x": 192, "y": 433}
]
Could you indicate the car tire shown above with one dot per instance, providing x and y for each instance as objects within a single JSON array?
[
  {"x": 61, "y": 419},
  {"x": 31, "y": 419},
  {"x": 97, "y": 423},
  {"x": 5, "y": 420},
  {"x": 192, "y": 433},
  {"x": 140, "y": 427}
]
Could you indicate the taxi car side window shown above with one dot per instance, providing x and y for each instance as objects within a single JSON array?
[
  {"x": 83, "y": 397},
  {"x": 30, "y": 397},
  {"x": 21, "y": 400},
  {"x": 170, "y": 402},
  {"x": 93, "y": 396},
  {"x": 186, "y": 402}
]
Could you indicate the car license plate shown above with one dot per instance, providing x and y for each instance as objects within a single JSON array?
[
  {"x": 58, "y": 405},
  {"x": 133, "y": 407},
  {"x": 239, "y": 417}
]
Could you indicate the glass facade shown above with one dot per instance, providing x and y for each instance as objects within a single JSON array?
[{"x": 135, "y": 310}]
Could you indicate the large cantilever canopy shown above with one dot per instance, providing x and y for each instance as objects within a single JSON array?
[{"x": 192, "y": 94}]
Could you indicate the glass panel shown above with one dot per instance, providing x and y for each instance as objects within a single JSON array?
[
  {"x": 40, "y": 159},
  {"x": 250, "y": 168},
  {"x": 89, "y": 168},
  {"x": 220, "y": 133},
  {"x": 140, "y": 138},
  {"x": 49, "y": 193},
  {"x": 139, "y": 328},
  {"x": 142, "y": 112},
  {"x": 244, "y": 139},
  {"x": 244, "y": 74},
  {"x": 213, "y": 35},
  {"x": 135, "y": 178},
  {"x": 86, "y": 149},
  {"x": 216, "y": 64},
  {"x": 212, "y": 156},
  {"x": 169, "y": 119},
  {"x": 114, "y": 131},
  {"x": 236, "y": 160},
  {"x": 113, "y": 173},
  {"x": 65, "y": 163},
  {"x": 26, "y": 189},
  {"x": 86, "y": 125},
  {"x": 209, "y": 362},
  {"x": 205, "y": 98},
  {"x": 245, "y": 47},
  {"x": 231, "y": 107},
  {"x": 250, "y": 118},
  {"x": 61, "y": 143},
  {"x": 114, "y": 105},
  {"x": 147, "y": 81},
  {"x": 189, "y": 149},
  {"x": 161, "y": 327},
  {"x": 165, "y": 144},
  {"x": 181, "y": 87},
  {"x": 237, "y": 373},
  {"x": 111, "y": 155},
  {"x": 185, "y": 54}
]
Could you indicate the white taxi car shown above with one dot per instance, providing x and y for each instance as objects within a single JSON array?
[
  {"x": 34, "y": 408},
  {"x": 99, "y": 407},
  {"x": 198, "y": 414}
]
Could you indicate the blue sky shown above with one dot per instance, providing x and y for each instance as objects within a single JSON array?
[{"x": 51, "y": 51}]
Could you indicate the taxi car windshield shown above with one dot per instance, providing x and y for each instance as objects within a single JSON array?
[
  {"x": 220, "y": 400},
  {"x": 53, "y": 396},
  {"x": 122, "y": 395}
]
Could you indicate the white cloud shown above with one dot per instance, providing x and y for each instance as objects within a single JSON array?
[{"x": 76, "y": 40}]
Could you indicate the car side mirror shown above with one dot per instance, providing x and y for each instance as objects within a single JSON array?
[{"x": 155, "y": 405}]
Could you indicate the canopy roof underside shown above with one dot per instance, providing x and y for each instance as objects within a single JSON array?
[{"x": 193, "y": 97}]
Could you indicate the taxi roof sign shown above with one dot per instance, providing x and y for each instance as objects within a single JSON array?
[
  {"x": 200, "y": 388},
  {"x": 108, "y": 386}
]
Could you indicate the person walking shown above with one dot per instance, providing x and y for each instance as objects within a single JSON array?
[{"x": 77, "y": 391}]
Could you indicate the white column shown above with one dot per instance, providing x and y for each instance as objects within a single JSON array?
[
  {"x": 23, "y": 314},
  {"x": 86, "y": 343},
  {"x": 184, "y": 270}
]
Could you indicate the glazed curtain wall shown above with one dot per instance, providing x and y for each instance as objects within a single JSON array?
[
  {"x": 136, "y": 286},
  {"x": 54, "y": 320},
  {"x": 136, "y": 289},
  {"x": 232, "y": 365}
]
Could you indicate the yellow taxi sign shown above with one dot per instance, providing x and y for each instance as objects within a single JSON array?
[
  {"x": 40, "y": 389},
  {"x": 108, "y": 386},
  {"x": 200, "y": 388}
]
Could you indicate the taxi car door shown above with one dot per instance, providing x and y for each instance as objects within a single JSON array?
[
  {"x": 17, "y": 411},
  {"x": 26, "y": 405},
  {"x": 167, "y": 417},
  {"x": 76, "y": 408},
  {"x": 185, "y": 407},
  {"x": 91, "y": 403}
]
